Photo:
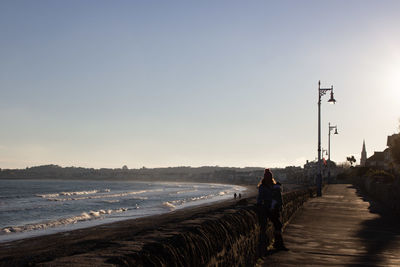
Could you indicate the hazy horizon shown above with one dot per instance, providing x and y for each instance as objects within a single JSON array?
[
  {"x": 136, "y": 168},
  {"x": 229, "y": 83}
]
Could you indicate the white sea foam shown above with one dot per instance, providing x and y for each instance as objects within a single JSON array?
[
  {"x": 88, "y": 196},
  {"x": 174, "y": 204},
  {"x": 124, "y": 194},
  {"x": 79, "y": 193},
  {"x": 74, "y": 193},
  {"x": 48, "y": 195},
  {"x": 201, "y": 197},
  {"x": 177, "y": 202},
  {"x": 169, "y": 205},
  {"x": 84, "y": 216}
]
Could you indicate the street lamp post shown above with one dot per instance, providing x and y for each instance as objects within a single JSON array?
[
  {"x": 321, "y": 92},
  {"x": 329, "y": 138},
  {"x": 330, "y": 128}
]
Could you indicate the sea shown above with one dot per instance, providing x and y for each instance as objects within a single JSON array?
[{"x": 39, "y": 207}]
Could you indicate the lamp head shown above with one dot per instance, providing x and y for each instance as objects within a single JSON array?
[
  {"x": 332, "y": 99},
  {"x": 336, "y": 131}
]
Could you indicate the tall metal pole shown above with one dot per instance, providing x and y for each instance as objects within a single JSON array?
[
  {"x": 319, "y": 175},
  {"x": 330, "y": 128},
  {"x": 321, "y": 92},
  {"x": 329, "y": 153},
  {"x": 329, "y": 142}
]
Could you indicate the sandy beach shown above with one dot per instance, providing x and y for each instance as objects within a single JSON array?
[{"x": 100, "y": 238}]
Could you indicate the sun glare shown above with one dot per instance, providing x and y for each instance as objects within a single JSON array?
[{"x": 391, "y": 82}]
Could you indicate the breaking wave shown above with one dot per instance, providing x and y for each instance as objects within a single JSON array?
[
  {"x": 42, "y": 206},
  {"x": 84, "y": 216},
  {"x": 76, "y": 193},
  {"x": 174, "y": 204},
  {"x": 124, "y": 194},
  {"x": 169, "y": 205}
]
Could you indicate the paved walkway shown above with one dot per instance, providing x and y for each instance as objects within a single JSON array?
[{"x": 341, "y": 228}]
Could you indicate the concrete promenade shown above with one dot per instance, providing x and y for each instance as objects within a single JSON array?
[{"x": 341, "y": 228}]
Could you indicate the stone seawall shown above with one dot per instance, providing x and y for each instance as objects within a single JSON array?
[
  {"x": 225, "y": 234},
  {"x": 384, "y": 193},
  {"x": 225, "y": 237}
]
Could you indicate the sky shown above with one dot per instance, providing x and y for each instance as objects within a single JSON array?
[{"x": 195, "y": 83}]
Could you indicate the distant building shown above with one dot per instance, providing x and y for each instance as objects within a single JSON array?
[
  {"x": 311, "y": 170},
  {"x": 391, "y": 138},
  {"x": 363, "y": 155},
  {"x": 391, "y": 163},
  {"x": 384, "y": 159},
  {"x": 329, "y": 170},
  {"x": 377, "y": 160}
]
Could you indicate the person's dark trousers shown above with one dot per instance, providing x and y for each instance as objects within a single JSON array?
[
  {"x": 274, "y": 216},
  {"x": 262, "y": 220}
]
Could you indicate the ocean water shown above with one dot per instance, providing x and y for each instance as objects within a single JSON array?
[{"x": 38, "y": 207}]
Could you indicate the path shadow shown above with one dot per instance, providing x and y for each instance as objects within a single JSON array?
[{"x": 378, "y": 235}]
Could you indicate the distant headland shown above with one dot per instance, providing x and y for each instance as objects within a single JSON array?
[{"x": 206, "y": 174}]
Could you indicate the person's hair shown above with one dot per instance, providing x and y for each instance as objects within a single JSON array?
[{"x": 268, "y": 179}]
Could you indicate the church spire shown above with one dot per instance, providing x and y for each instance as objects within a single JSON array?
[{"x": 363, "y": 155}]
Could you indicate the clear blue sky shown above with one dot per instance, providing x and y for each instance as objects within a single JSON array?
[{"x": 172, "y": 83}]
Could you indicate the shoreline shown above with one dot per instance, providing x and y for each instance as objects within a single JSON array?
[
  {"x": 42, "y": 225},
  {"x": 52, "y": 246}
]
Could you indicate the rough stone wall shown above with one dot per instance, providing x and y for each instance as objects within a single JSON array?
[
  {"x": 228, "y": 237},
  {"x": 385, "y": 193}
]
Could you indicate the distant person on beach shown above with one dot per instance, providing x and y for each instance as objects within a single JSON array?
[
  {"x": 269, "y": 200},
  {"x": 240, "y": 196},
  {"x": 234, "y": 196}
]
